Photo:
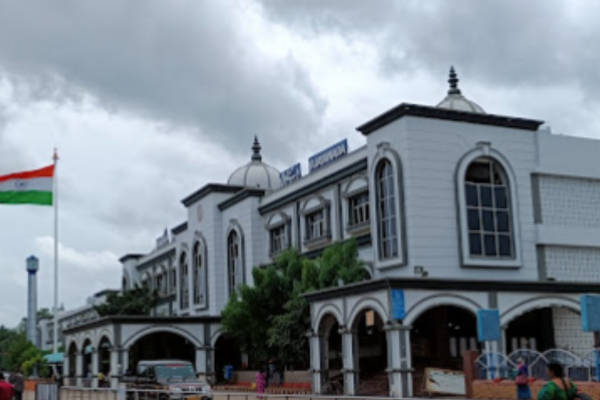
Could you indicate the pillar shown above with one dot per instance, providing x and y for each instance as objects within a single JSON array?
[
  {"x": 201, "y": 361},
  {"x": 211, "y": 376},
  {"x": 315, "y": 343},
  {"x": 350, "y": 360},
  {"x": 114, "y": 368},
  {"x": 79, "y": 369},
  {"x": 66, "y": 368},
  {"x": 399, "y": 360},
  {"x": 124, "y": 360},
  {"x": 95, "y": 365}
]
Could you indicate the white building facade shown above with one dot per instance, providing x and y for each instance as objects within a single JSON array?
[{"x": 459, "y": 209}]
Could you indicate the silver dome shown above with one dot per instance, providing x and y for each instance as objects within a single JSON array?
[
  {"x": 455, "y": 100},
  {"x": 256, "y": 174}
]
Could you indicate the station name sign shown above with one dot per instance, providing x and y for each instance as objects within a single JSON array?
[
  {"x": 291, "y": 175},
  {"x": 328, "y": 155}
]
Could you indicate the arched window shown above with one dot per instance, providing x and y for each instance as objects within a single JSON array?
[
  {"x": 198, "y": 275},
  {"x": 234, "y": 261},
  {"x": 488, "y": 206},
  {"x": 184, "y": 281},
  {"x": 387, "y": 210}
]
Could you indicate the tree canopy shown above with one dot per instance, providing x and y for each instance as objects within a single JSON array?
[
  {"x": 271, "y": 319},
  {"x": 17, "y": 352},
  {"x": 137, "y": 301}
]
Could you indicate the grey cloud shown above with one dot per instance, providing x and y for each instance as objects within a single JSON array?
[
  {"x": 510, "y": 43},
  {"x": 190, "y": 63}
]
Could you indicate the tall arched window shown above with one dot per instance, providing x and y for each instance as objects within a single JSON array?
[
  {"x": 387, "y": 210},
  {"x": 487, "y": 200},
  {"x": 234, "y": 261},
  {"x": 184, "y": 289},
  {"x": 198, "y": 275}
]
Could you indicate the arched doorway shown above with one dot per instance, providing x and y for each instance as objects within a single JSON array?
[
  {"x": 372, "y": 355},
  {"x": 72, "y": 355},
  {"x": 87, "y": 362},
  {"x": 438, "y": 338},
  {"x": 562, "y": 330},
  {"x": 161, "y": 346},
  {"x": 227, "y": 352},
  {"x": 331, "y": 355},
  {"x": 104, "y": 359}
]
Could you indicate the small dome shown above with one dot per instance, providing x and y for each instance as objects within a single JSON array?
[
  {"x": 455, "y": 100},
  {"x": 256, "y": 174}
]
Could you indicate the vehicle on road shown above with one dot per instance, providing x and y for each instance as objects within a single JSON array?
[{"x": 166, "y": 380}]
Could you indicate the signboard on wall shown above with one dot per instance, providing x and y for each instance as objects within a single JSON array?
[
  {"x": 291, "y": 175},
  {"x": 328, "y": 155},
  {"x": 398, "y": 305},
  {"x": 443, "y": 381},
  {"x": 590, "y": 313},
  {"x": 488, "y": 325}
]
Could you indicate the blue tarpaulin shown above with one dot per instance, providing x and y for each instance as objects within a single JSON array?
[{"x": 55, "y": 358}]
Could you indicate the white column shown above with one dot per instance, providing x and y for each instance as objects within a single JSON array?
[
  {"x": 124, "y": 360},
  {"x": 114, "y": 368},
  {"x": 66, "y": 368},
  {"x": 79, "y": 369},
  {"x": 201, "y": 370},
  {"x": 95, "y": 366},
  {"x": 350, "y": 356},
  {"x": 399, "y": 361},
  {"x": 315, "y": 361}
]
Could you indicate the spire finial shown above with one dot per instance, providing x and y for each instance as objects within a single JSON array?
[
  {"x": 453, "y": 81},
  {"x": 256, "y": 150}
]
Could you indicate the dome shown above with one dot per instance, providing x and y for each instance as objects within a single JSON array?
[
  {"x": 455, "y": 100},
  {"x": 256, "y": 174}
]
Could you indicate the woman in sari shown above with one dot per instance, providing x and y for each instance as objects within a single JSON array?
[
  {"x": 557, "y": 388},
  {"x": 522, "y": 381}
]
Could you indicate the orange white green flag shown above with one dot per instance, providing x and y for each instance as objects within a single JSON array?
[{"x": 29, "y": 187}]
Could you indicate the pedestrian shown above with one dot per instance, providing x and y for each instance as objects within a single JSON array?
[
  {"x": 558, "y": 388},
  {"x": 522, "y": 381},
  {"x": 7, "y": 391},
  {"x": 261, "y": 383},
  {"x": 18, "y": 381}
]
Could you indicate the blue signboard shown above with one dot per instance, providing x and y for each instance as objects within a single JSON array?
[
  {"x": 328, "y": 155},
  {"x": 290, "y": 175},
  {"x": 398, "y": 305},
  {"x": 590, "y": 313},
  {"x": 488, "y": 325}
]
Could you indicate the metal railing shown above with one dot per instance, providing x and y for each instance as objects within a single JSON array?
[{"x": 500, "y": 365}]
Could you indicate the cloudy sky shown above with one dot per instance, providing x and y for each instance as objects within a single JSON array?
[{"x": 147, "y": 102}]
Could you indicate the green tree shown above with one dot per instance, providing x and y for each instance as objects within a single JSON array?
[
  {"x": 137, "y": 301},
  {"x": 271, "y": 318}
]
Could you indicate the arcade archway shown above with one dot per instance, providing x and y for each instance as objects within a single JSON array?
[
  {"x": 439, "y": 337},
  {"x": 372, "y": 355},
  {"x": 227, "y": 352},
  {"x": 104, "y": 366},
  {"x": 331, "y": 351},
  {"x": 161, "y": 346}
]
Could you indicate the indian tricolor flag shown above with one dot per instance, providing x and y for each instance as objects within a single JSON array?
[{"x": 29, "y": 187}]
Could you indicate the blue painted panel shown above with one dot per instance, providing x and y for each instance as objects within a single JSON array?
[
  {"x": 398, "y": 306},
  {"x": 590, "y": 313},
  {"x": 290, "y": 175},
  {"x": 328, "y": 155},
  {"x": 488, "y": 325}
]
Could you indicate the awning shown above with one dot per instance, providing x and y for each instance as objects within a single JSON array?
[{"x": 55, "y": 358}]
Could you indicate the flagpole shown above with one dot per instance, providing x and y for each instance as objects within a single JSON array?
[{"x": 55, "y": 202}]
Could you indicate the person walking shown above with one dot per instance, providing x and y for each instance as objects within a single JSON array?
[
  {"x": 522, "y": 381},
  {"x": 557, "y": 388},
  {"x": 261, "y": 383},
  {"x": 17, "y": 380},
  {"x": 7, "y": 391}
]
